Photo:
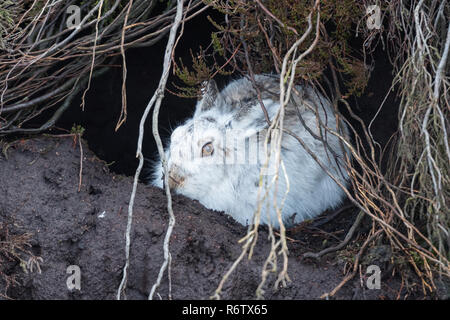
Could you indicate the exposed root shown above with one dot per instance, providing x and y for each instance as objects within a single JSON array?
[{"x": 341, "y": 245}]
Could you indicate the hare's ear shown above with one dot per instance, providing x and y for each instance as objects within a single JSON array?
[{"x": 210, "y": 93}]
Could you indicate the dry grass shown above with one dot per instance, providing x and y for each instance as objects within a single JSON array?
[{"x": 15, "y": 248}]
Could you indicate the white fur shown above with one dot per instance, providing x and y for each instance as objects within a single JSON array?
[{"x": 233, "y": 188}]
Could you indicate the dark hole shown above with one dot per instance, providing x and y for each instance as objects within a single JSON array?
[{"x": 103, "y": 101}]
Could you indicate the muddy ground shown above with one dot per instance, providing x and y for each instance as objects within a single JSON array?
[{"x": 40, "y": 204}]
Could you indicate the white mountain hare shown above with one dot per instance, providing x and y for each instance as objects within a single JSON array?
[{"x": 216, "y": 156}]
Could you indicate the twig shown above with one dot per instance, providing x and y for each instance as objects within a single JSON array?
[
  {"x": 81, "y": 162},
  {"x": 275, "y": 18},
  {"x": 156, "y": 101},
  {"x": 347, "y": 238},
  {"x": 123, "y": 111},
  {"x": 93, "y": 54},
  {"x": 160, "y": 94}
]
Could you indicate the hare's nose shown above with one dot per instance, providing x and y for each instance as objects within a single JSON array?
[
  {"x": 176, "y": 177},
  {"x": 173, "y": 183}
]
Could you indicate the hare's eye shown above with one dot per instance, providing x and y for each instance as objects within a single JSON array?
[{"x": 207, "y": 149}]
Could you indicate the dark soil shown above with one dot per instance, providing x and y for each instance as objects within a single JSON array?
[{"x": 39, "y": 196}]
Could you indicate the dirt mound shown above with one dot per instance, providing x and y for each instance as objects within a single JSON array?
[{"x": 39, "y": 195}]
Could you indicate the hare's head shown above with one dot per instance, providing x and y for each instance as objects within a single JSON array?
[{"x": 220, "y": 143}]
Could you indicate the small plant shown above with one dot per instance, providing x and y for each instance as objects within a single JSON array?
[{"x": 77, "y": 130}]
